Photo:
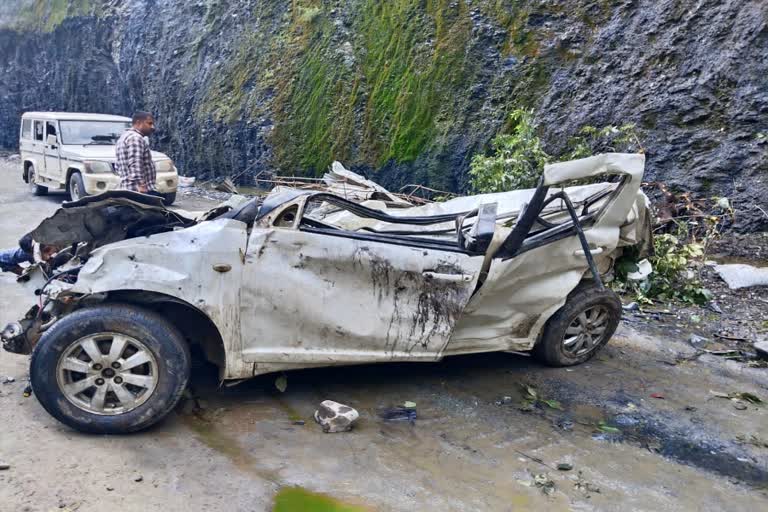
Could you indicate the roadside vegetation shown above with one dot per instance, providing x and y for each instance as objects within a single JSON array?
[{"x": 684, "y": 231}]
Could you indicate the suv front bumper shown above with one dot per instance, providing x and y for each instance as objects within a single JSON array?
[{"x": 166, "y": 182}]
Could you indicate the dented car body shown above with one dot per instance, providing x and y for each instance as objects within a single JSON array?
[{"x": 309, "y": 279}]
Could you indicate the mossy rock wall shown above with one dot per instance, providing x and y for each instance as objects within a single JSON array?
[{"x": 404, "y": 91}]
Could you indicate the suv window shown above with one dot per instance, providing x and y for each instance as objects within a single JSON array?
[
  {"x": 92, "y": 132},
  {"x": 50, "y": 128},
  {"x": 39, "y": 130},
  {"x": 26, "y": 129}
]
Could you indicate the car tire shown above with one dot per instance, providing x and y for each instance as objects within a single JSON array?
[
  {"x": 578, "y": 330},
  {"x": 76, "y": 187},
  {"x": 142, "y": 357},
  {"x": 169, "y": 198},
  {"x": 37, "y": 190}
]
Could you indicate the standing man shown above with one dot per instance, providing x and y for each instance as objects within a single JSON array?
[{"x": 134, "y": 159}]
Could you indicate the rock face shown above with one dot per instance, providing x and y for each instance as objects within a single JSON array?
[{"x": 406, "y": 91}]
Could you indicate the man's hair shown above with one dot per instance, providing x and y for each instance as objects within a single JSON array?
[{"x": 139, "y": 117}]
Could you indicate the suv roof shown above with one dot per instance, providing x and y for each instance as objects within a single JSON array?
[{"x": 73, "y": 116}]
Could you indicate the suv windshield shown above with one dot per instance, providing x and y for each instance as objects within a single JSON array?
[{"x": 92, "y": 132}]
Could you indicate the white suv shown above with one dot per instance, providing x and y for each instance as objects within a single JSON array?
[{"x": 75, "y": 153}]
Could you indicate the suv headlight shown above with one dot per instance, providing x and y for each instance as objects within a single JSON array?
[
  {"x": 94, "y": 167},
  {"x": 164, "y": 166}
]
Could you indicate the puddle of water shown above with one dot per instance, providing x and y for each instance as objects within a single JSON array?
[
  {"x": 206, "y": 433},
  {"x": 298, "y": 499}
]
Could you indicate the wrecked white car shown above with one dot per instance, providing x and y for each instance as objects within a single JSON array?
[{"x": 309, "y": 279}]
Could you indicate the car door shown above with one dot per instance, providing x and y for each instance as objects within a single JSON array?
[
  {"x": 315, "y": 298},
  {"x": 52, "y": 152},
  {"x": 37, "y": 147}
]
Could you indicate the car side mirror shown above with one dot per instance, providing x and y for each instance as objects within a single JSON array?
[{"x": 51, "y": 140}]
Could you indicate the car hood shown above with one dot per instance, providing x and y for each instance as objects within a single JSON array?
[{"x": 99, "y": 152}]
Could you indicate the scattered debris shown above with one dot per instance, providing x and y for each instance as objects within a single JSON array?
[
  {"x": 644, "y": 269},
  {"x": 505, "y": 400},
  {"x": 185, "y": 182},
  {"x": 753, "y": 439},
  {"x": 745, "y": 396},
  {"x": 532, "y": 399},
  {"x": 544, "y": 483},
  {"x": 335, "y": 417},
  {"x": 739, "y": 405},
  {"x": 584, "y": 486},
  {"x": 110, "y": 488},
  {"x": 564, "y": 466},
  {"x": 8, "y": 380},
  {"x": 300, "y": 423},
  {"x": 697, "y": 341},
  {"x": 657, "y": 395},
  {"x": 138, "y": 478},
  {"x": 739, "y": 275},
  {"x": 27, "y": 391},
  {"x": 4, "y": 467},
  {"x": 226, "y": 185},
  {"x": 409, "y": 405},
  {"x": 691, "y": 408},
  {"x": 632, "y": 306},
  {"x": 281, "y": 383},
  {"x": 399, "y": 413}
]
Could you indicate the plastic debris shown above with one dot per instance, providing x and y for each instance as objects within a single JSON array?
[{"x": 564, "y": 466}]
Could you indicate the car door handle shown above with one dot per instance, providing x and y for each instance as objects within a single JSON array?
[
  {"x": 456, "y": 278},
  {"x": 594, "y": 252}
]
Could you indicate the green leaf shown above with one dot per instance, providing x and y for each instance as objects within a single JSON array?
[
  {"x": 281, "y": 383},
  {"x": 607, "y": 428},
  {"x": 553, "y": 404}
]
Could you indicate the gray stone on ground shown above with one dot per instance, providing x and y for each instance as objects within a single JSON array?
[
  {"x": 761, "y": 347},
  {"x": 738, "y": 275},
  {"x": 335, "y": 417}
]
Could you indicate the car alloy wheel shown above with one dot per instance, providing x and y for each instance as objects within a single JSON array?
[
  {"x": 107, "y": 373},
  {"x": 586, "y": 331}
]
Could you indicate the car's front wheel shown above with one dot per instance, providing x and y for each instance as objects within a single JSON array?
[
  {"x": 110, "y": 369},
  {"x": 579, "y": 329},
  {"x": 76, "y": 187}
]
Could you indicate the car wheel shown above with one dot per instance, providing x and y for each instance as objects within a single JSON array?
[
  {"x": 579, "y": 329},
  {"x": 36, "y": 189},
  {"x": 110, "y": 369},
  {"x": 76, "y": 187},
  {"x": 169, "y": 198}
]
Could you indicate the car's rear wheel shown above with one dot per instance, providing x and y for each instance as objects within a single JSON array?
[
  {"x": 36, "y": 189},
  {"x": 110, "y": 369},
  {"x": 578, "y": 330},
  {"x": 169, "y": 198},
  {"x": 76, "y": 187}
]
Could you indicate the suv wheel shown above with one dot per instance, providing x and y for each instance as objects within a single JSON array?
[
  {"x": 76, "y": 187},
  {"x": 169, "y": 198},
  {"x": 36, "y": 189},
  {"x": 110, "y": 369},
  {"x": 578, "y": 330}
]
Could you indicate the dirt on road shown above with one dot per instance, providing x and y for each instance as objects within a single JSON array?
[{"x": 643, "y": 426}]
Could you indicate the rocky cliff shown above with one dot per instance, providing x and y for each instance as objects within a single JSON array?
[{"x": 406, "y": 91}]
